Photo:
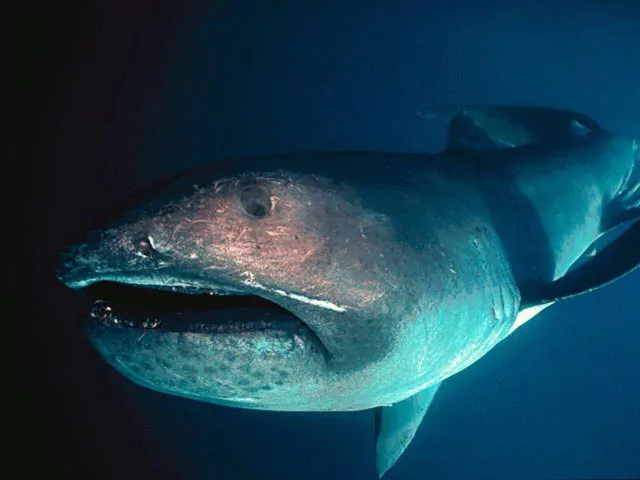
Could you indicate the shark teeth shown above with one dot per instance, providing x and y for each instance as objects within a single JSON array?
[
  {"x": 103, "y": 313},
  {"x": 233, "y": 321}
]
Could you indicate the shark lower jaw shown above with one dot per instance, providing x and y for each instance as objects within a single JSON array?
[{"x": 230, "y": 349}]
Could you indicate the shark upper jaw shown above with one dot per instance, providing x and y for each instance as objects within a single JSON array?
[{"x": 170, "y": 304}]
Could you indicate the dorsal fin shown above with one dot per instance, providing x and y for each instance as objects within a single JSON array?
[
  {"x": 488, "y": 127},
  {"x": 465, "y": 134}
]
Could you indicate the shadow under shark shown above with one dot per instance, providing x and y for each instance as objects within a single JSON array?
[{"x": 336, "y": 281}]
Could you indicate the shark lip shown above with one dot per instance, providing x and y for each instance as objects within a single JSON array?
[{"x": 184, "y": 309}]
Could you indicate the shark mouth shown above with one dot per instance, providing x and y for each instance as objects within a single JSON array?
[{"x": 184, "y": 310}]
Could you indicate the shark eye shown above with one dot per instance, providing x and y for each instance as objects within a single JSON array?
[{"x": 255, "y": 201}]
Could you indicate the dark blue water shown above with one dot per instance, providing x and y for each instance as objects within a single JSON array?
[{"x": 125, "y": 94}]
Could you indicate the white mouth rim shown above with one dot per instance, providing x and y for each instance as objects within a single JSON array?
[
  {"x": 295, "y": 296},
  {"x": 160, "y": 283}
]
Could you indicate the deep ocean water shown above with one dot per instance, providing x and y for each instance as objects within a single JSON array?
[{"x": 122, "y": 94}]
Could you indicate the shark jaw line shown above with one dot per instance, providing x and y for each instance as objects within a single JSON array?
[
  {"x": 162, "y": 283},
  {"x": 294, "y": 296}
]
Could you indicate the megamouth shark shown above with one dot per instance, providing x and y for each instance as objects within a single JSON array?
[{"x": 340, "y": 281}]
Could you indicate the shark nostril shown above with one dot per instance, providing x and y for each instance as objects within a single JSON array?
[{"x": 144, "y": 246}]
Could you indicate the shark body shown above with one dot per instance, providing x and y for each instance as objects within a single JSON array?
[{"x": 337, "y": 281}]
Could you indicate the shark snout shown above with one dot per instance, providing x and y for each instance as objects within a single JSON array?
[
  {"x": 79, "y": 266},
  {"x": 70, "y": 267},
  {"x": 105, "y": 256},
  {"x": 74, "y": 277}
]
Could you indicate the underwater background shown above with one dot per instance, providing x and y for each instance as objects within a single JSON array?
[{"x": 116, "y": 94}]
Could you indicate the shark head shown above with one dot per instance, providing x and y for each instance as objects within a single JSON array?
[{"x": 251, "y": 284}]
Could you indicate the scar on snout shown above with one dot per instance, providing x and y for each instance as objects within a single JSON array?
[
  {"x": 189, "y": 221},
  {"x": 241, "y": 234},
  {"x": 178, "y": 227},
  {"x": 219, "y": 185},
  {"x": 313, "y": 249}
]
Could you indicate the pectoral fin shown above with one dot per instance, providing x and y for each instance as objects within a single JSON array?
[
  {"x": 624, "y": 208},
  {"x": 620, "y": 257},
  {"x": 396, "y": 426}
]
